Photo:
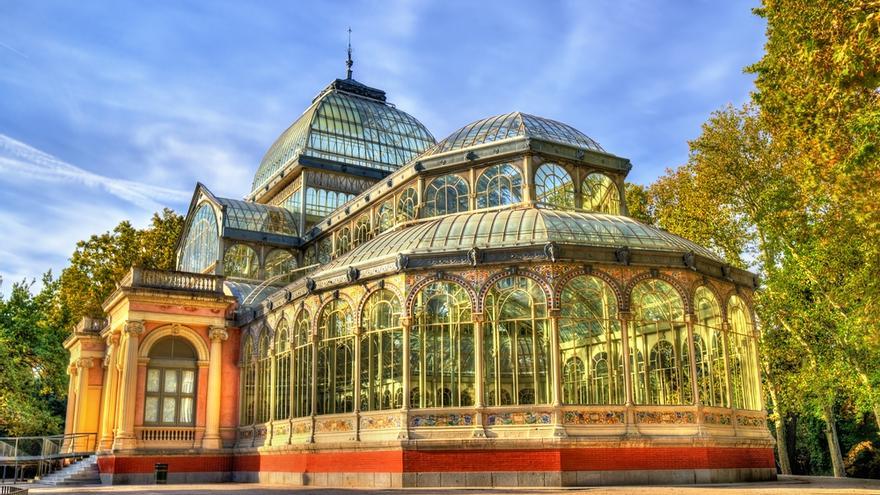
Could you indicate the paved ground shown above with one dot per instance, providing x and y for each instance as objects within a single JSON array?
[{"x": 786, "y": 485}]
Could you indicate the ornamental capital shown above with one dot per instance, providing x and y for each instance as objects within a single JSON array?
[
  {"x": 218, "y": 334},
  {"x": 478, "y": 317},
  {"x": 84, "y": 363},
  {"x": 134, "y": 328},
  {"x": 406, "y": 321},
  {"x": 113, "y": 338}
]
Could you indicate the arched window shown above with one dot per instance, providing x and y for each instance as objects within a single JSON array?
[
  {"x": 745, "y": 381},
  {"x": 659, "y": 332},
  {"x": 201, "y": 249},
  {"x": 445, "y": 195},
  {"x": 709, "y": 349},
  {"x": 336, "y": 359},
  {"x": 248, "y": 382},
  {"x": 599, "y": 193},
  {"x": 381, "y": 352},
  {"x": 362, "y": 232},
  {"x": 241, "y": 261},
  {"x": 325, "y": 250},
  {"x": 264, "y": 379},
  {"x": 302, "y": 363},
  {"x": 406, "y": 205},
  {"x": 279, "y": 262},
  {"x": 171, "y": 383},
  {"x": 282, "y": 371},
  {"x": 516, "y": 342},
  {"x": 499, "y": 185},
  {"x": 588, "y": 328},
  {"x": 442, "y": 347},
  {"x": 385, "y": 216},
  {"x": 553, "y": 186},
  {"x": 343, "y": 241}
]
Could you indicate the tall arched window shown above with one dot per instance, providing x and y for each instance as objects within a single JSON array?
[
  {"x": 362, "y": 232},
  {"x": 745, "y": 380},
  {"x": 264, "y": 379},
  {"x": 445, "y": 195},
  {"x": 343, "y": 241},
  {"x": 442, "y": 347},
  {"x": 279, "y": 262},
  {"x": 499, "y": 185},
  {"x": 201, "y": 249},
  {"x": 516, "y": 343},
  {"x": 241, "y": 261},
  {"x": 599, "y": 193},
  {"x": 336, "y": 359},
  {"x": 553, "y": 186},
  {"x": 385, "y": 216},
  {"x": 659, "y": 332},
  {"x": 589, "y": 332},
  {"x": 248, "y": 382},
  {"x": 406, "y": 205},
  {"x": 282, "y": 371},
  {"x": 574, "y": 387},
  {"x": 709, "y": 349},
  {"x": 381, "y": 353},
  {"x": 171, "y": 383},
  {"x": 302, "y": 363}
]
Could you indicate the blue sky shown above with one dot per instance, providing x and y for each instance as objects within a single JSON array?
[{"x": 111, "y": 110}]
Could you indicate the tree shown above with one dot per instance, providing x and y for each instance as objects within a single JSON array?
[
  {"x": 100, "y": 262},
  {"x": 33, "y": 384}
]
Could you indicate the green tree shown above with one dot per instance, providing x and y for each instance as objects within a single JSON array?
[
  {"x": 33, "y": 384},
  {"x": 100, "y": 262}
]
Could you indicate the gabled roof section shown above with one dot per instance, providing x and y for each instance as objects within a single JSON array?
[
  {"x": 514, "y": 125},
  {"x": 349, "y": 123}
]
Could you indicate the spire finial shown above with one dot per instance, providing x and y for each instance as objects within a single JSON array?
[{"x": 349, "y": 62}]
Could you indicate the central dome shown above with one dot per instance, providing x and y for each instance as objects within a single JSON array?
[
  {"x": 351, "y": 123},
  {"x": 512, "y": 125}
]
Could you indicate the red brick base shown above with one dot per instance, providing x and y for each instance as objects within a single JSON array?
[{"x": 400, "y": 467}]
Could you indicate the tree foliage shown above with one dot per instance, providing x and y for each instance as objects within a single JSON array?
[
  {"x": 100, "y": 262},
  {"x": 33, "y": 385}
]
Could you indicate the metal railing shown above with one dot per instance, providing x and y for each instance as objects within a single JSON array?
[{"x": 27, "y": 458}]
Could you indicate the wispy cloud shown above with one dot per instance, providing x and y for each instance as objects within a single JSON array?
[{"x": 20, "y": 159}]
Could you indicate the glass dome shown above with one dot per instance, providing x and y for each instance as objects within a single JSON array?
[
  {"x": 512, "y": 125},
  {"x": 351, "y": 123}
]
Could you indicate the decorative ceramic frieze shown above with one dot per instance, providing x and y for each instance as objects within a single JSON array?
[
  {"x": 519, "y": 418},
  {"x": 441, "y": 420},
  {"x": 302, "y": 427},
  {"x": 665, "y": 417},
  {"x": 594, "y": 417},
  {"x": 334, "y": 425},
  {"x": 380, "y": 422},
  {"x": 749, "y": 421},
  {"x": 720, "y": 419}
]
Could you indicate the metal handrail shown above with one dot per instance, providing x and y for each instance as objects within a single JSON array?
[{"x": 33, "y": 457}]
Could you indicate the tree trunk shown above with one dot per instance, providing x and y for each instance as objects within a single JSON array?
[
  {"x": 781, "y": 437},
  {"x": 833, "y": 444}
]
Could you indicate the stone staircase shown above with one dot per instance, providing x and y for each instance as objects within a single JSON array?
[{"x": 84, "y": 472}]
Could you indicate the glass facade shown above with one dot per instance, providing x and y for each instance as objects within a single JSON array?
[
  {"x": 600, "y": 194},
  {"x": 499, "y": 185},
  {"x": 517, "y": 351},
  {"x": 554, "y": 186},
  {"x": 589, "y": 341},
  {"x": 257, "y": 217},
  {"x": 320, "y": 203},
  {"x": 348, "y": 128},
  {"x": 445, "y": 195},
  {"x": 201, "y": 247},
  {"x": 241, "y": 261}
]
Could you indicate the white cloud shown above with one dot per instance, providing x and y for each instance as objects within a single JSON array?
[{"x": 17, "y": 158}]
